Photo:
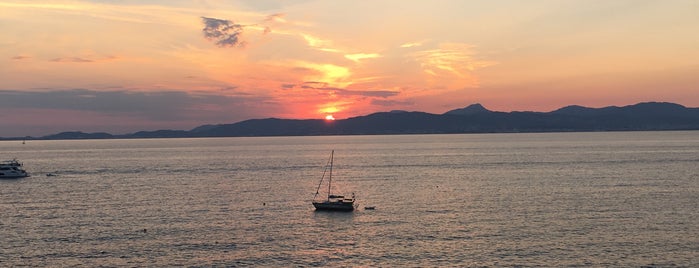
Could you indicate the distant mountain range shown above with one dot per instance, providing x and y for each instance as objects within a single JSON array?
[{"x": 471, "y": 119}]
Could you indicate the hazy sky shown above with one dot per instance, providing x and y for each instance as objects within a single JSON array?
[{"x": 123, "y": 66}]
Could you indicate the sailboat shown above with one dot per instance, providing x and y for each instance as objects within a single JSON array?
[{"x": 332, "y": 202}]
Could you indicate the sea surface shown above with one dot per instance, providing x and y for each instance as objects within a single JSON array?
[{"x": 607, "y": 199}]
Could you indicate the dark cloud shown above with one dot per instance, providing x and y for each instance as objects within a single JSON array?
[
  {"x": 229, "y": 88},
  {"x": 224, "y": 33},
  {"x": 389, "y": 103},
  {"x": 313, "y": 84},
  {"x": 342, "y": 91},
  {"x": 365, "y": 93},
  {"x": 20, "y": 57}
]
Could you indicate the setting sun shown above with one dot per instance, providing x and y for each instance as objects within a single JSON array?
[{"x": 329, "y": 117}]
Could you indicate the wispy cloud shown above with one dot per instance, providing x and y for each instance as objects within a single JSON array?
[
  {"x": 361, "y": 56},
  {"x": 450, "y": 58},
  {"x": 84, "y": 59},
  {"x": 20, "y": 57},
  {"x": 224, "y": 33},
  {"x": 412, "y": 44},
  {"x": 71, "y": 59},
  {"x": 277, "y": 17},
  {"x": 319, "y": 43}
]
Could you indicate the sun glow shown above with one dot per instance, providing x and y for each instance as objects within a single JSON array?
[
  {"x": 329, "y": 117},
  {"x": 332, "y": 75},
  {"x": 330, "y": 109}
]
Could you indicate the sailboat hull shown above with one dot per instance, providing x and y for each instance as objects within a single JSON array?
[
  {"x": 334, "y": 202},
  {"x": 334, "y": 206}
]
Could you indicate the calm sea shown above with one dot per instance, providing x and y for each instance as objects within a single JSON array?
[{"x": 620, "y": 199}]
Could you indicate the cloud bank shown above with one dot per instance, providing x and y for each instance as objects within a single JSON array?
[{"x": 79, "y": 109}]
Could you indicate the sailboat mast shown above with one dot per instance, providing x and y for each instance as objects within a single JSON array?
[{"x": 330, "y": 179}]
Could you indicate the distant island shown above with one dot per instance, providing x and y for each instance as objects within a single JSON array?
[{"x": 647, "y": 116}]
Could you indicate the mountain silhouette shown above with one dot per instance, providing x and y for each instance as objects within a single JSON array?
[
  {"x": 471, "y": 119},
  {"x": 469, "y": 110}
]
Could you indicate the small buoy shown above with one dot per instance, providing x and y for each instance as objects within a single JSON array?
[
  {"x": 145, "y": 230},
  {"x": 264, "y": 204}
]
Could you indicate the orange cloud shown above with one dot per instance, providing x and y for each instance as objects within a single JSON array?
[
  {"x": 360, "y": 56},
  {"x": 332, "y": 75},
  {"x": 318, "y": 43},
  {"x": 412, "y": 44}
]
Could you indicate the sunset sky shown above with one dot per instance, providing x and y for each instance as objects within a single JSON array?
[{"x": 123, "y": 66}]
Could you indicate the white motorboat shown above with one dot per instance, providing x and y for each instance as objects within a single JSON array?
[{"x": 12, "y": 169}]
